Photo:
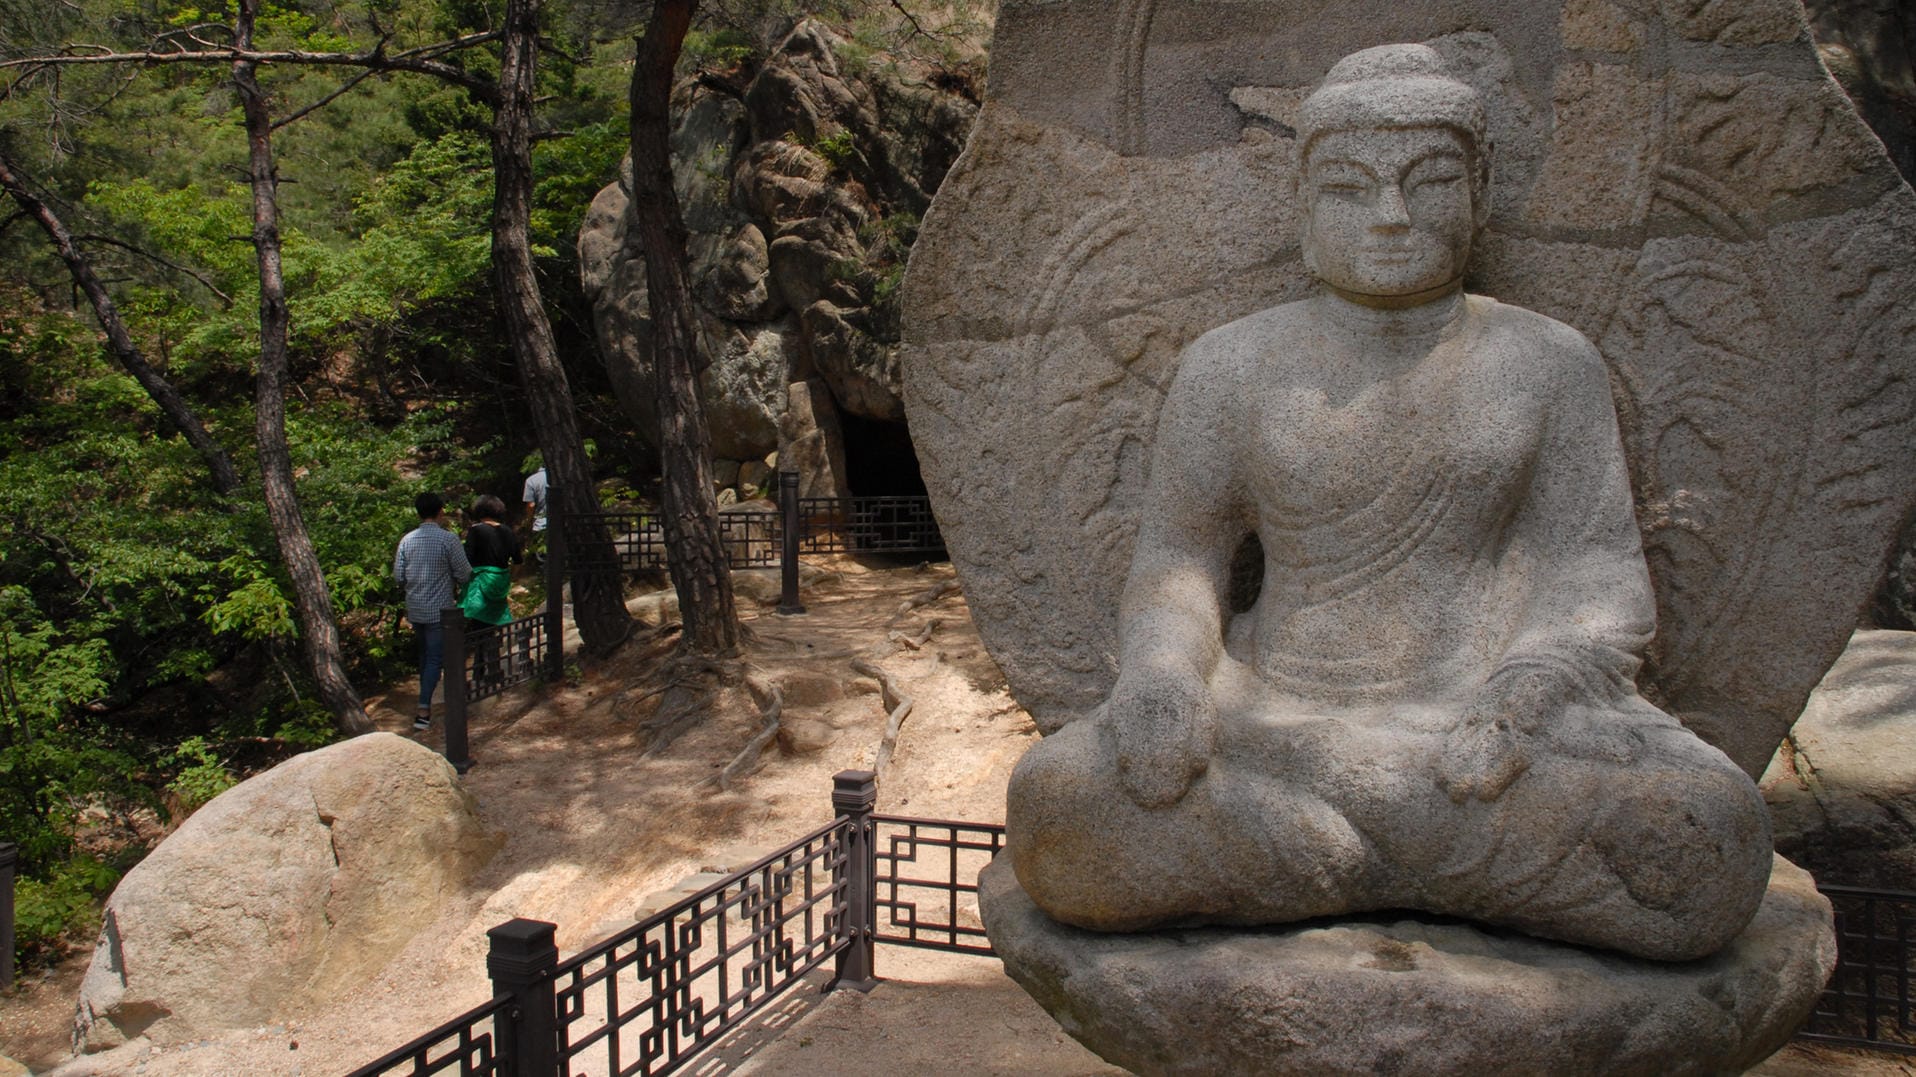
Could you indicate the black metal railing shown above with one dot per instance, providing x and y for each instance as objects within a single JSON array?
[
  {"x": 648, "y": 999},
  {"x": 753, "y": 538},
  {"x": 887, "y": 525},
  {"x": 9, "y": 861},
  {"x": 1867, "y": 1002},
  {"x": 466, "y": 1045},
  {"x": 925, "y": 881},
  {"x": 750, "y": 538},
  {"x": 484, "y": 660}
]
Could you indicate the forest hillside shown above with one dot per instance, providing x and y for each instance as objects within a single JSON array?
[{"x": 155, "y": 645}]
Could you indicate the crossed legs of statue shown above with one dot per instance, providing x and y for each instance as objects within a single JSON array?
[{"x": 1625, "y": 832}]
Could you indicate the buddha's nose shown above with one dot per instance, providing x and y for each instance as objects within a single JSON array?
[{"x": 1391, "y": 213}]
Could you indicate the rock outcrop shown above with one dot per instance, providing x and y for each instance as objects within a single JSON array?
[
  {"x": 1842, "y": 788},
  {"x": 1870, "y": 46},
  {"x": 801, "y": 184},
  {"x": 281, "y": 892}
]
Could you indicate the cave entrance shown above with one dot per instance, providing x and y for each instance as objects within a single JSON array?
[
  {"x": 879, "y": 458},
  {"x": 880, "y": 462}
]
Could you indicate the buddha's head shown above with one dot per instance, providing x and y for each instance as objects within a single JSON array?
[{"x": 1393, "y": 176}]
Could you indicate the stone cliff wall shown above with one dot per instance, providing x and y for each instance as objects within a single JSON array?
[{"x": 802, "y": 181}]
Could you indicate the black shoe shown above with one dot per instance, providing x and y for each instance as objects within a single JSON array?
[{"x": 421, "y": 723}]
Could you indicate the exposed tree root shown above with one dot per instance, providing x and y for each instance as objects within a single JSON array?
[
  {"x": 692, "y": 684},
  {"x": 898, "y": 703},
  {"x": 926, "y": 598},
  {"x": 915, "y": 642},
  {"x": 771, "y": 705}
]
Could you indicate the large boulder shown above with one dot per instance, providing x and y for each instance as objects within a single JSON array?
[
  {"x": 810, "y": 441},
  {"x": 1870, "y": 46},
  {"x": 849, "y": 353},
  {"x": 743, "y": 383},
  {"x": 281, "y": 892},
  {"x": 1842, "y": 788}
]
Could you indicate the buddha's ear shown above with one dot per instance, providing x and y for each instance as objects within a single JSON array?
[
  {"x": 1300, "y": 197},
  {"x": 1305, "y": 248},
  {"x": 1481, "y": 175}
]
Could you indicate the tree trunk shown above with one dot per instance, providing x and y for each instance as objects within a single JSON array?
[
  {"x": 696, "y": 556},
  {"x": 597, "y": 602},
  {"x": 319, "y": 632},
  {"x": 171, "y": 404}
]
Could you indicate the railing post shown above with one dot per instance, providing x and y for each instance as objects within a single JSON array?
[
  {"x": 453, "y": 623},
  {"x": 854, "y": 795},
  {"x": 523, "y": 955},
  {"x": 555, "y": 588},
  {"x": 9, "y": 857},
  {"x": 788, "y": 603}
]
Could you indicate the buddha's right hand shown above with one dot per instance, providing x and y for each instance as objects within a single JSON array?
[
  {"x": 1487, "y": 750},
  {"x": 1166, "y": 730}
]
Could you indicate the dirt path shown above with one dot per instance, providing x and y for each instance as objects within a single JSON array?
[{"x": 593, "y": 829}]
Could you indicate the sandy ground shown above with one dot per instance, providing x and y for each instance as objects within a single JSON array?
[{"x": 593, "y": 829}]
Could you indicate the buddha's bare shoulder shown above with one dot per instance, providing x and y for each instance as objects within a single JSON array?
[
  {"x": 1533, "y": 346},
  {"x": 1250, "y": 345},
  {"x": 1537, "y": 332}
]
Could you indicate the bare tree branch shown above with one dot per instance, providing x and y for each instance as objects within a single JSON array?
[
  {"x": 917, "y": 29},
  {"x": 344, "y": 87},
  {"x": 206, "y": 281},
  {"x": 546, "y": 45}
]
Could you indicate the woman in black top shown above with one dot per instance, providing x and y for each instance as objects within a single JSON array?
[{"x": 493, "y": 549}]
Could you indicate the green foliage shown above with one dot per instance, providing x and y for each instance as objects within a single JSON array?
[
  {"x": 62, "y": 905},
  {"x": 254, "y": 608},
  {"x": 46, "y": 782},
  {"x": 307, "y": 725},
  {"x": 147, "y": 642},
  {"x": 424, "y": 236},
  {"x": 721, "y": 47},
  {"x": 570, "y": 173},
  {"x": 838, "y": 149},
  {"x": 200, "y": 776}
]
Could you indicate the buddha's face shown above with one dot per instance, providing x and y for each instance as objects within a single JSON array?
[{"x": 1389, "y": 214}]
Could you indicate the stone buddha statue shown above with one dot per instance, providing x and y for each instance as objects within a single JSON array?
[{"x": 1431, "y": 704}]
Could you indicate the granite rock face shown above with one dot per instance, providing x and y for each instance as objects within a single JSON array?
[
  {"x": 1870, "y": 46},
  {"x": 801, "y": 188},
  {"x": 1684, "y": 185},
  {"x": 1434, "y": 998},
  {"x": 281, "y": 892}
]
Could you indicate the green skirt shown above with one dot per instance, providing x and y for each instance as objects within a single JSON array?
[{"x": 486, "y": 596}]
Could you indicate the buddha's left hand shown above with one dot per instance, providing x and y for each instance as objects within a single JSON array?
[{"x": 1486, "y": 752}]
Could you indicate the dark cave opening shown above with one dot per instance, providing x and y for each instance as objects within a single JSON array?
[
  {"x": 880, "y": 462},
  {"x": 879, "y": 458}
]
